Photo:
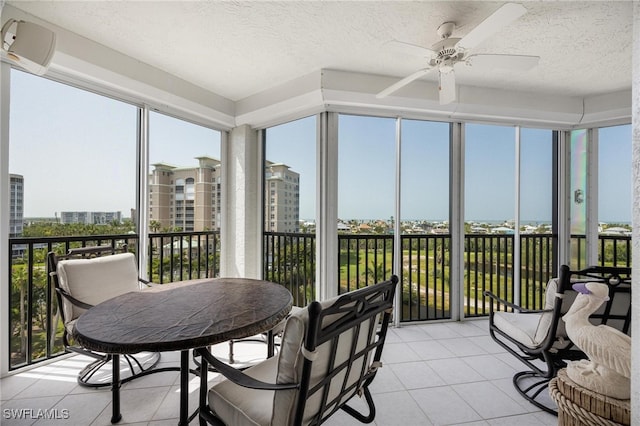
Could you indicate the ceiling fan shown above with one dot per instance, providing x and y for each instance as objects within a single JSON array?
[{"x": 449, "y": 51}]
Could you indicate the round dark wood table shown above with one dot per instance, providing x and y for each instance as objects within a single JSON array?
[{"x": 178, "y": 317}]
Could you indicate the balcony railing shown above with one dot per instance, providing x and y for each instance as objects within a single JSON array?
[
  {"x": 289, "y": 259},
  {"x": 425, "y": 274},
  {"x": 34, "y": 324}
]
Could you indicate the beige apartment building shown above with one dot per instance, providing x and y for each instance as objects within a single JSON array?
[
  {"x": 189, "y": 198},
  {"x": 282, "y": 198},
  {"x": 185, "y": 198}
]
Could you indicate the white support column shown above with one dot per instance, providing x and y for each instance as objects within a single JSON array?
[
  {"x": 635, "y": 124},
  {"x": 241, "y": 230},
  {"x": 327, "y": 206},
  {"x": 142, "y": 195},
  {"x": 397, "y": 230},
  {"x": 5, "y": 80},
  {"x": 456, "y": 221},
  {"x": 516, "y": 234},
  {"x": 591, "y": 226},
  {"x": 564, "y": 199}
]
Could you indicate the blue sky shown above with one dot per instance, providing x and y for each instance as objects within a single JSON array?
[{"x": 77, "y": 151}]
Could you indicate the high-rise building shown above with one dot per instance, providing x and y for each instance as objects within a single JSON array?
[
  {"x": 189, "y": 198},
  {"x": 90, "y": 218},
  {"x": 185, "y": 198},
  {"x": 282, "y": 198},
  {"x": 16, "y": 205}
]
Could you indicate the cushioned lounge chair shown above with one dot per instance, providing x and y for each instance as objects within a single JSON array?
[
  {"x": 83, "y": 278},
  {"x": 329, "y": 353},
  {"x": 538, "y": 337}
]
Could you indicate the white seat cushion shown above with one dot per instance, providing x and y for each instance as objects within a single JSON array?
[
  {"x": 240, "y": 406},
  {"x": 520, "y": 327},
  {"x": 95, "y": 280}
]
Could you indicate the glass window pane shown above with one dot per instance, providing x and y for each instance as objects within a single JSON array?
[
  {"x": 489, "y": 213},
  {"x": 536, "y": 179},
  {"x": 291, "y": 176},
  {"x": 185, "y": 175},
  {"x": 72, "y": 160},
  {"x": 425, "y": 220},
  {"x": 75, "y": 150},
  {"x": 489, "y": 176},
  {"x": 290, "y": 207},
  {"x": 578, "y": 198},
  {"x": 536, "y": 204},
  {"x": 615, "y": 195},
  {"x": 184, "y": 199},
  {"x": 366, "y": 171},
  {"x": 366, "y": 199}
]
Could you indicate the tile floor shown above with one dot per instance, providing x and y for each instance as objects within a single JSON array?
[{"x": 433, "y": 374}]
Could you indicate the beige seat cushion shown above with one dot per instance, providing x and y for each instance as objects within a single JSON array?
[
  {"x": 240, "y": 406},
  {"x": 520, "y": 327},
  {"x": 532, "y": 329},
  {"x": 95, "y": 280}
]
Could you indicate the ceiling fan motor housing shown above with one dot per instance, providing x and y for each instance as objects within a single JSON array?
[{"x": 446, "y": 51}]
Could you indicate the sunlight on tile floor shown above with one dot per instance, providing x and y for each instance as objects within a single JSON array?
[{"x": 433, "y": 374}]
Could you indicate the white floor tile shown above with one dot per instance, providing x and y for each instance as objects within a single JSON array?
[
  {"x": 398, "y": 352},
  {"x": 490, "y": 367},
  {"x": 399, "y": 409},
  {"x": 487, "y": 400},
  {"x": 430, "y": 349},
  {"x": 524, "y": 420},
  {"x": 136, "y": 405},
  {"x": 411, "y": 334},
  {"x": 441, "y": 374},
  {"x": 416, "y": 375},
  {"x": 443, "y": 406},
  {"x": 22, "y": 412},
  {"x": 487, "y": 343},
  {"x": 83, "y": 409},
  {"x": 441, "y": 331},
  {"x": 470, "y": 328},
  {"x": 454, "y": 371},
  {"x": 386, "y": 381},
  {"x": 462, "y": 347}
]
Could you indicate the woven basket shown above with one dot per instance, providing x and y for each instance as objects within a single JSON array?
[{"x": 578, "y": 406}]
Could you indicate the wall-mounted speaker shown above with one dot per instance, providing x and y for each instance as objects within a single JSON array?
[{"x": 28, "y": 45}]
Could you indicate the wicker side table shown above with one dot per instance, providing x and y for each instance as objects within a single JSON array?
[{"x": 578, "y": 406}]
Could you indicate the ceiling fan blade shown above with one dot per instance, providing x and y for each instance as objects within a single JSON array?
[
  {"x": 494, "y": 23},
  {"x": 410, "y": 49},
  {"x": 509, "y": 62},
  {"x": 447, "y": 88},
  {"x": 396, "y": 86}
]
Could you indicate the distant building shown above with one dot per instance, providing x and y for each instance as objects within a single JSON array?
[
  {"x": 16, "y": 205},
  {"x": 185, "y": 198},
  {"x": 282, "y": 198},
  {"x": 188, "y": 198},
  {"x": 90, "y": 218}
]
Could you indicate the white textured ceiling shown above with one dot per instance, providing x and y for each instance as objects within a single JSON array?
[{"x": 236, "y": 49}]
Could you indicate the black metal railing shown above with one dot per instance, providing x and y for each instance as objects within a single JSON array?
[
  {"x": 177, "y": 256},
  {"x": 35, "y": 329},
  {"x": 290, "y": 259},
  {"x": 363, "y": 260},
  {"x": 425, "y": 274},
  {"x": 425, "y": 277}
]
